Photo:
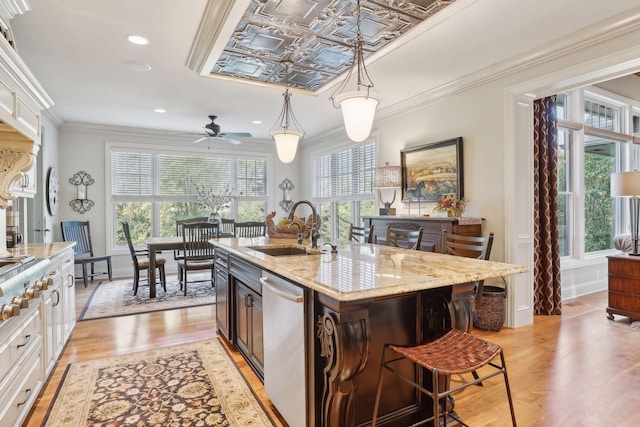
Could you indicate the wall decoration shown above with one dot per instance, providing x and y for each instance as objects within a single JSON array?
[
  {"x": 81, "y": 203},
  {"x": 53, "y": 191},
  {"x": 432, "y": 170},
  {"x": 286, "y": 186}
]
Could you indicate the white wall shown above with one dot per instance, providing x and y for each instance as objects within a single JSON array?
[{"x": 82, "y": 147}]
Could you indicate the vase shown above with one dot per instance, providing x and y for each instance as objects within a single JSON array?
[{"x": 451, "y": 214}]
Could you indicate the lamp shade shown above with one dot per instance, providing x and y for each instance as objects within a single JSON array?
[
  {"x": 286, "y": 144},
  {"x": 358, "y": 110},
  {"x": 388, "y": 176},
  {"x": 625, "y": 184}
]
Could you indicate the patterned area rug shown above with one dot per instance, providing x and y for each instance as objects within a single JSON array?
[
  {"x": 111, "y": 299},
  {"x": 195, "y": 384}
]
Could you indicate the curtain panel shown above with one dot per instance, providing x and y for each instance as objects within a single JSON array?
[{"x": 547, "y": 292}]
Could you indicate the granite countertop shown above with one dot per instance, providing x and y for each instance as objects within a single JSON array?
[
  {"x": 361, "y": 271},
  {"x": 41, "y": 250}
]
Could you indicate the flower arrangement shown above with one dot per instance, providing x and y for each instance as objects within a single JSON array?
[
  {"x": 214, "y": 201},
  {"x": 450, "y": 204}
]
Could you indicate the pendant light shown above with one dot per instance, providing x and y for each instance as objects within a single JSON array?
[
  {"x": 359, "y": 106},
  {"x": 289, "y": 131}
]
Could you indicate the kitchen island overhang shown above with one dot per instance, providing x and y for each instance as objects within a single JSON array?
[{"x": 356, "y": 301}]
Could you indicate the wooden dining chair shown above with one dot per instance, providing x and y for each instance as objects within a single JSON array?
[
  {"x": 466, "y": 297},
  {"x": 250, "y": 229},
  {"x": 360, "y": 234},
  {"x": 177, "y": 253},
  {"x": 80, "y": 232},
  {"x": 140, "y": 260},
  {"x": 227, "y": 227},
  {"x": 404, "y": 238},
  {"x": 198, "y": 252}
]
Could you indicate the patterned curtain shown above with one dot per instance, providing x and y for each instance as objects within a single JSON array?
[{"x": 547, "y": 252}]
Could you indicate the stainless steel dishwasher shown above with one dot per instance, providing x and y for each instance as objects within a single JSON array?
[{"x": 283, "y": 336}]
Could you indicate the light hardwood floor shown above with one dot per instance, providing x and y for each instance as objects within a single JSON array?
[{"x": 579, "y": 369}]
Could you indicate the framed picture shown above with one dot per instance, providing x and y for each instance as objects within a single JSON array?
[{"x": 432, "y": 170}]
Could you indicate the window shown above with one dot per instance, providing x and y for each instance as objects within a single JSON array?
[
  {"x": 602, "y": 157},
  {"x": 343, "y": 189},
  {"x": 153, "y": 189},
  {"x": 565, "y": 190},
  {"x": 601, "y": 116},
  {"x": 590, "y": 149}
]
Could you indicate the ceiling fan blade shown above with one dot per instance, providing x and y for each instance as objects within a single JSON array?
[
  {"x": 201, "y": 139},
  {"x": 230, "y": 140},
  {"x": 237, "y": 134}
]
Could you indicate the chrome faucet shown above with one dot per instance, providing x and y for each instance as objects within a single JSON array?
[{"x": 315, "y": 234}]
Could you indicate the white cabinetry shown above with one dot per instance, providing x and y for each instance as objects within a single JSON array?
[
  {"x": 68, "y": 292},
  {"x": 21, "y": 375},
  {"x": 56, "y": 301}
]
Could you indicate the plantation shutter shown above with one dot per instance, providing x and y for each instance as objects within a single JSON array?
[{"x": 345, "y": 174}]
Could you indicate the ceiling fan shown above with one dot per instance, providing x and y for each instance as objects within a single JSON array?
[{"x": 213, "y": 131}]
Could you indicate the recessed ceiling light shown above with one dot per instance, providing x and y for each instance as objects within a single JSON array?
[
  {"x": 137, "y": 65},
  {"x": 160, "y": 110},
  {"x": 136, "y": 39},
  {"x": 257, "y": 122}
]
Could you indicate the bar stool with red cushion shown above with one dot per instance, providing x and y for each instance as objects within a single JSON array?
[{"x": 455, "y": 352}]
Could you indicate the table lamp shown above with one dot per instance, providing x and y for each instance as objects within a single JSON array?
[
  {"x": 627, "y": 184},
  {"x": 388, "y": 177}
]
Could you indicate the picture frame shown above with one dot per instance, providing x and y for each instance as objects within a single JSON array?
[{"x": 432, "y": 170}]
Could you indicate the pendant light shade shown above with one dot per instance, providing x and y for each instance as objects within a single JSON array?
[
  {"x": 358, "y": 111},
  {"x": 286, "y": 144},
  {"x": 287, "y": 132},
  {"x": 359, "y": 106}
]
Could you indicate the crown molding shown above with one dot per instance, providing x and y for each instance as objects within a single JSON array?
[
  {"x": 593, "y": 35},
  {"x": 10, "y": 8},
  {"x": 218, "y": 22}
]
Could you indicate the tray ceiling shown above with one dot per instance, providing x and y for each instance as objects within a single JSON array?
[{"x": 316, "y": 35}]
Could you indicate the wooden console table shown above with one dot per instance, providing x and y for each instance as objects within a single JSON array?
[
  {"x": 624, "y": 286},
  {"x": 432, "y": 227}
]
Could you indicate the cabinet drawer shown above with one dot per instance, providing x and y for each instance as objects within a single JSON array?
[
  {"x": 19, "y": 342},
  {"x": 628, "y": 267},
  {"x": 624, "y": 285},
  {"x": 22, "y": 394},
  {"x": 625, "y": 302}
]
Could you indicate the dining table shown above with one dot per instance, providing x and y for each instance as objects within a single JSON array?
[{"x": 156, "y": 244}]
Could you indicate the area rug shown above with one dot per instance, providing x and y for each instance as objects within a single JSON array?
[
  {"x": 111, "y": 299},
  {"x": 194, "y": 384}
]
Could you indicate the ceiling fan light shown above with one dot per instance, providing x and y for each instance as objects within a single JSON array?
[
  {"x": 286, "y": 144},
  {"x": 358, "y": 110}
]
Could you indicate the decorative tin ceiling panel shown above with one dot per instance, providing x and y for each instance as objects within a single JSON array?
[{"x": 317, "y": 36}]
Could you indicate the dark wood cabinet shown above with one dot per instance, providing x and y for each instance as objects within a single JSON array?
[
  {"x": 432, "y": 227},
  {"x": 223, "y": 296},
  {"x": 248, "y": 318},
  {"x": 624, "y": 286}
]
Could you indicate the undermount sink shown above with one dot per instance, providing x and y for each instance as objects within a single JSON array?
[{"x": 284, "y": 250}]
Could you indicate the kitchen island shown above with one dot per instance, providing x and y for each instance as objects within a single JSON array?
[{"x": 355, "y": 301}]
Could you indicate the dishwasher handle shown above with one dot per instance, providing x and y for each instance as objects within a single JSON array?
[{"x": 298, "y": 299}]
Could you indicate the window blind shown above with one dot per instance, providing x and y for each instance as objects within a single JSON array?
[
  {"x": 251, "y": 177},
  {"x": 344, "y": 174},
  {"x": 158, "y": 174}
]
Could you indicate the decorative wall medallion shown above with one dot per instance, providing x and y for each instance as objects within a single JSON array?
[
  {"x": 81, "y": 203},
  {"x": 286, "y": 186},
  {"x": 53, "y": 191}
]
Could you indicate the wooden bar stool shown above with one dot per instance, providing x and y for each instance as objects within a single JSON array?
[{"x": 455, "y": 352}]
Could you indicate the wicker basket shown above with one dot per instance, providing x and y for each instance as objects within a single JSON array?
[{"x": 490, "y": 312}]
